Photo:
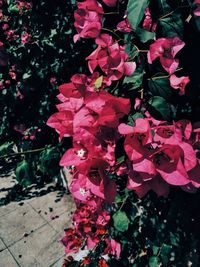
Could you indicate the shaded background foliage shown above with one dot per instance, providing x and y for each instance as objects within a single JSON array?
[{"x": 48, "y": 59}]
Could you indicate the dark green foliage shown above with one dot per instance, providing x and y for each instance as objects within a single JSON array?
[{"x": 47, "y": 60}]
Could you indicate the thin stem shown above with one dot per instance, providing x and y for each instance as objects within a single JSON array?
[
  {"x": 23, "y": 153},
  {"x": 164, "y": 76},
  {"x": 143, "y": 51},
  {"x": 124, "y": 201},
  {"x": 170, "y": 13},
  {"x": 111, "y": 13},
  {"x": 108, "y": 30}
]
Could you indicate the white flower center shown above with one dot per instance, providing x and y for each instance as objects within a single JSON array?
[
  {"x": 82, "y": 191},
  {"x": 81, "y": 153}
]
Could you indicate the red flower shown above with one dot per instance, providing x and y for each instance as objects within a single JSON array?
[
  {"x": 179, "y": 83},
  {"x": 76, "y": 88},
  {"x": 72, "y": 241},
  {"x": 166, "y": 49},
  {"x": 102, "y": 263}
]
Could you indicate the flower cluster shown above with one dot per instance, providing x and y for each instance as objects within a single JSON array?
[
  {"x": 91, "y": 115},
  {"x": 160, "y": 155},
  {"x": 157, "y": 153}
]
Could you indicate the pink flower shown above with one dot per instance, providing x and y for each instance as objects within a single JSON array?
[
  {"x": 1, "y": 85},
  {"x": 166, "y": 49},
  {"x": 108, "y": 107},
  {"x": 147, "y": 23},
  {"x": 111, "y": 58},
  {"x": 53, "y": 81},
  {"x": 168, "y": 162},
  {"x": 113, "y": 248},
  {"x": 124, "y": 26},
  {"x": 197, "y": 9},
  {"x": 110, "y": 3},
  {"x": 179, "y": 83},
  {"x": 88, "y": 19},
  {"x": 62, "y": 122},
  {"x": 5, "y": 26},
  {"x": 25, "y": 38},
  {"x": 136, "y": 138},
  {"x": 141, "y": 187},
  {"x": 12, "y": 75}
]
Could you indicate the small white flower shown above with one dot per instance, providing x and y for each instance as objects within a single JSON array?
[
  {"x": 82, "y": 191},
  {"x": 81, "y": 153}
]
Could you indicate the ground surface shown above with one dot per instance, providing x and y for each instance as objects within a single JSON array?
[{"x": 30, "y": 229}]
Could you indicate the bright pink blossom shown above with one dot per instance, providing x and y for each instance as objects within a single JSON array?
[
  {"x": 197, "y": 9},
  {"x": 110, "y": 3},
  {"x": 148, "y": 25},
  {"x": 179, "y": 83},
  {"x": 25, "y": 38},
  {"x": 111, "y": 58},
  {"x": 166, "y": 49},
  {"x": 88, "y": 19},
  {"x": 113, "y": 248},
  {"x": 136, "y": 138},
  {"x": 124, "y": 25}
]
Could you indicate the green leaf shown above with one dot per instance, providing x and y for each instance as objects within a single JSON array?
[
  {"x": 4, "y": 148},
  {"x": 49, "y": 161},
  {"x": 121, "y": 221},
  {"x": 165, "y": 253},
  {"x": 26, "y": 76},
  {"x": 13, "y": 8},
  {"x": 98, "y": 82},
  {"x": 144, "y": 35},
  {"x": 137, "y": 115},
  {"x": 23, "y": 174},
  {"x": 135, "y": 10},
  {"x": 134, "y": 82},
  {"x": 161, "y": 87},
  {"x": 163, "y": 7},
  {"x": 155, "y": 250},
  {"x": 53, "y": 33},
  {"x": 153, "y": 261},
  {"x": 171, "y": 26},
  {"x": 174, "y": 238},
  {"x": 131, "y": 50},
  {"x": 160, "y": 108}
]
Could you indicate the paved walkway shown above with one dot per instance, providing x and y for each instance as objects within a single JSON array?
[{"x": 30, "y": 230}]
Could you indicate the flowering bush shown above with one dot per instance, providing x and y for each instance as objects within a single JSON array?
[
  {"x": 127, "y": 119},
  {"x": 134, "y": 131}
]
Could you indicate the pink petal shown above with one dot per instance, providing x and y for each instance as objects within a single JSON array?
[
  {"x": 125, "y": 129},
  {"x": 174, "y": 176},
  {"x": 110, "y": 3},
  {"x": 129, "y": 68},
  {"x": 70, "y": 158}
]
